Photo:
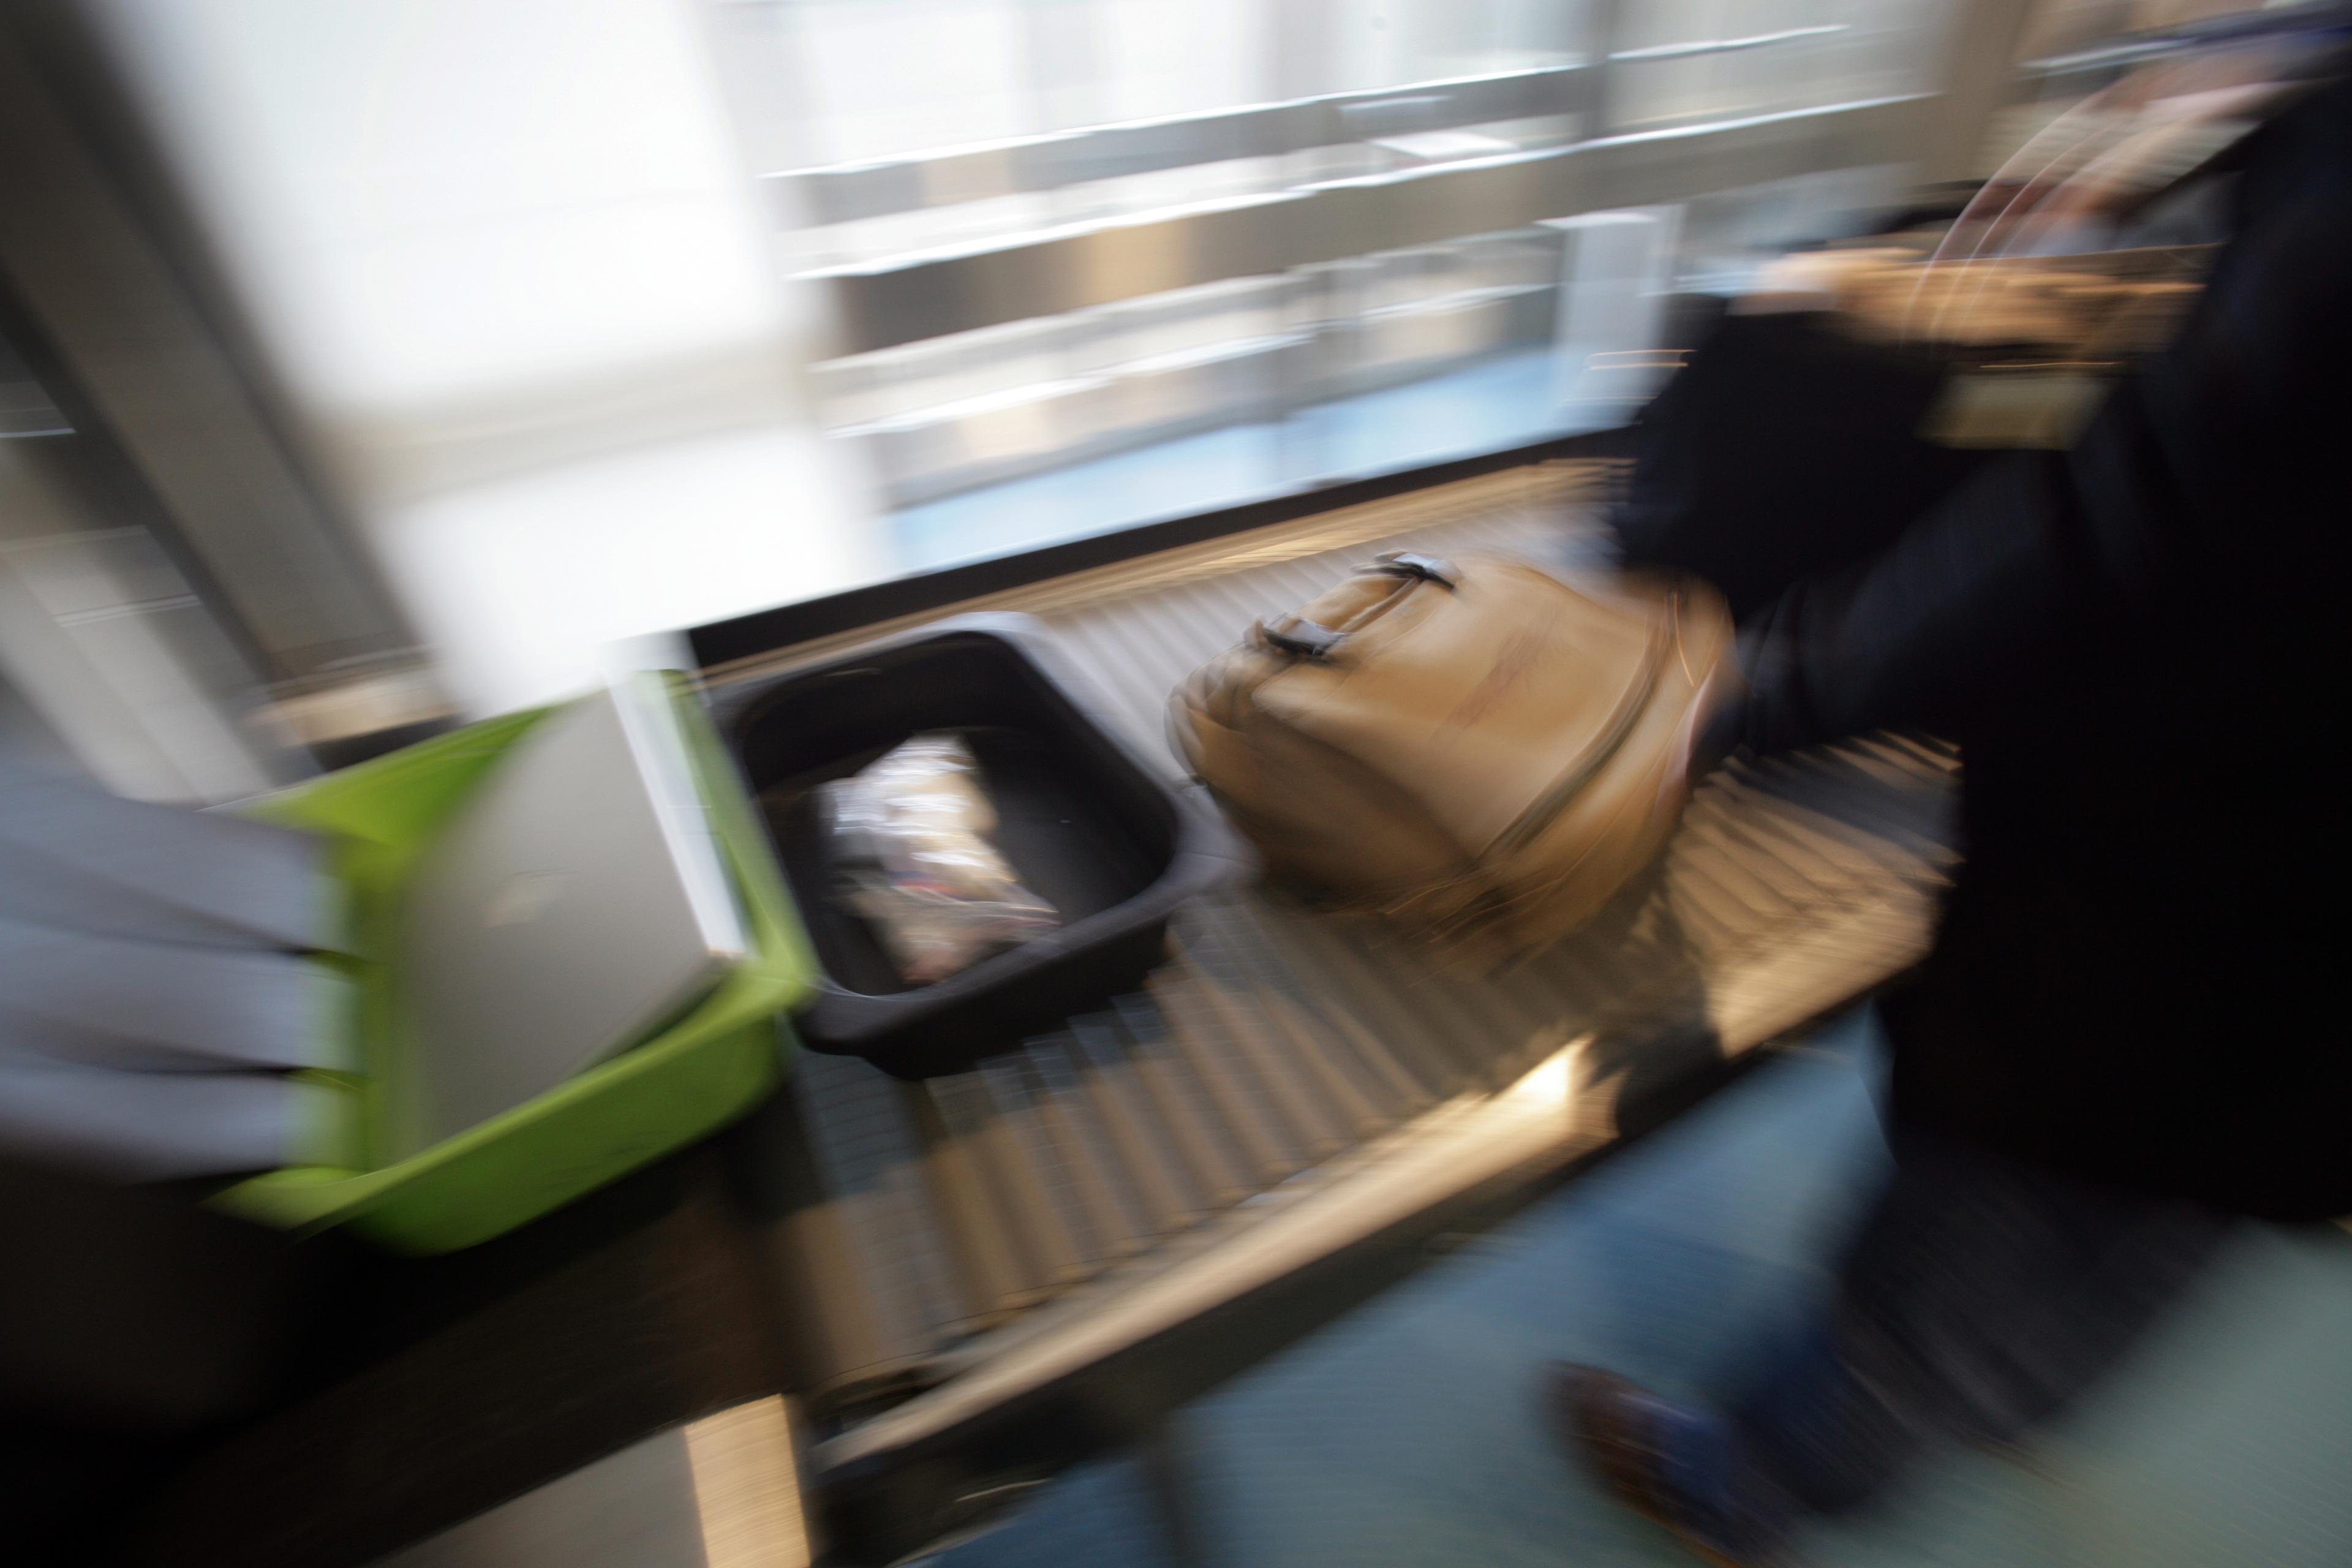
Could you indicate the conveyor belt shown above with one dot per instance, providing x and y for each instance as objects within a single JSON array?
[
  {"x": 1280, "y": 1054},
  {"x": 976, "y": 1280}
]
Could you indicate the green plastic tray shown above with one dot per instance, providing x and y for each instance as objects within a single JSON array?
[{"x": 712, "y": 1065}]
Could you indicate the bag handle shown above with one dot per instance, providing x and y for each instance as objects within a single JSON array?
[{"x": 1305, "y": 639}]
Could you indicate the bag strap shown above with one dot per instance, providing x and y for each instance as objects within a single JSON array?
[{"x": 1305, "y": 639}]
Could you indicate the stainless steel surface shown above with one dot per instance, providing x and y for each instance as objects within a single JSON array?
[
  {"x": 950, "y": 414},
  {"x": 634, "y": 1508},
  {"x": 925, "y": 452},
  {"x": 89, "y": 251},
  {"x": 843, "y": 193},
  {"x": 905, "y": 300},
  {"x": 1698, "y": 47},
  {"x": 1289, "y": 1084},
  {"x": 971, "y": 342},
  {"x": 720, "y": 1492},
  {"x": 103, "y": 633},
  {"x": 1978, "y": 63}
]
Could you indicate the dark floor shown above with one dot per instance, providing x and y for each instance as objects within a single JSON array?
[{"x": 1406, "y": 1434}]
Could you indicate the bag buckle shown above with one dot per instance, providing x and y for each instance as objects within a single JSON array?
[
  {"x": 1427, "y": 568},
  {"x": 1303, "y": 639}
]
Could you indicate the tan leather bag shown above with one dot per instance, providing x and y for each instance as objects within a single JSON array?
[{"x": 1473, "y": 747}]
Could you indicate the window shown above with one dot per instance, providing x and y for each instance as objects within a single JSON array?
[{"x": 1086, "y": 262}]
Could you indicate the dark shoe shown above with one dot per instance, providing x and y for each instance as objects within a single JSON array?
[{"x": 1672, "y": 1463}]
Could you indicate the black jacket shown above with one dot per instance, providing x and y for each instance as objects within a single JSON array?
[{"x": 2140, "y": 645}]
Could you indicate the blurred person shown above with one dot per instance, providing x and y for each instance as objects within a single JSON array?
[{"x": 2116, "y": 1051}]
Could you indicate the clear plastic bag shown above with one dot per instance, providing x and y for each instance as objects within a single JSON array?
[{"x": 911, "y": 839}]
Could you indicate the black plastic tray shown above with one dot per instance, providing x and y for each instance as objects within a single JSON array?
[{"x": 1084, "y": 820}]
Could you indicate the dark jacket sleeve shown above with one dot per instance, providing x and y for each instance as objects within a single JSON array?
[{"x": 2222, "y": 460}]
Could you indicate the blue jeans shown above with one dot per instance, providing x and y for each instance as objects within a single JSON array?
[{"x": 1978, "y": 1297}]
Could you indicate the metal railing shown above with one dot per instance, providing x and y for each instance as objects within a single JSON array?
[
  {"x": 1725, "y": 45},
  {"x": 846, "y": 192},
  {"x": 908, "y": 299}
]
